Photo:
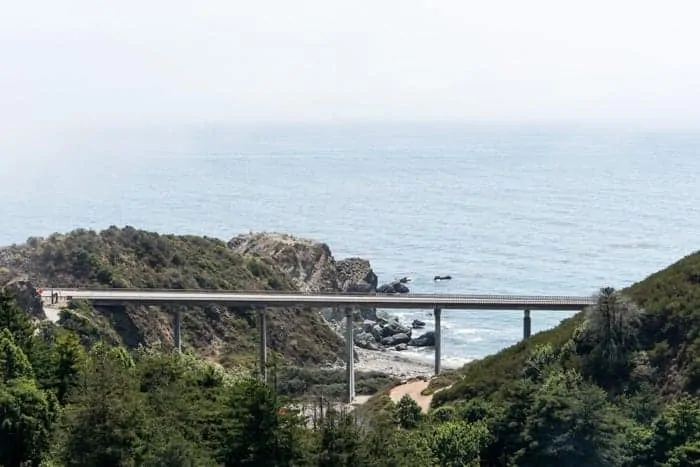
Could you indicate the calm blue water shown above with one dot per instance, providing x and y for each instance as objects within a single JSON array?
[{"x": 523, "y": 210}]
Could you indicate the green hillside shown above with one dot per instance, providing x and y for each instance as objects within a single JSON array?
[
  {"x": 134, "y": 258},
  {"x": 667, "y": 335},
  {"x": 615, "y": 385}
]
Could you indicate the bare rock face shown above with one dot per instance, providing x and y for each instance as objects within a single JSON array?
[
  {"x": 355, "y": 275},
  {"x": 310, "y": 264}
]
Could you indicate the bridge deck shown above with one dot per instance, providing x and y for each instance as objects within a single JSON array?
[{"x": 272, "y": 299}]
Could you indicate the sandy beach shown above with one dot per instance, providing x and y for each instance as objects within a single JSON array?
[{"x": 394, "y": 363}]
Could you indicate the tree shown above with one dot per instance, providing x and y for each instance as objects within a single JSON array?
[
  {"x": 458, "y": 444},
  {"x": 27, "y": 414},
  {"x": 14, "y": 363},
  {"x": 339, "y": 440},
  {"x": 609, "y": 338},
  {"x": 407, "y": 413},
  {"x": 256, "y": 429},
  {"x": 16, "y": 321},
  {"x": 27, "y": 417},
  {"x": 58, "y": 359},
  {"x": 570, "y": 423},
  {"x": 107, "y": 421},
  {"x": 676, "y": 433},
  {"x": 539, "y": 362}
]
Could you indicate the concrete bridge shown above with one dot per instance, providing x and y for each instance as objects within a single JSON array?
[{"x": 261, "y": 300}]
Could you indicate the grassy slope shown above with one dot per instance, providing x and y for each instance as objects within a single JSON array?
[
  {"x": 670, "y": 334},
  {"x": 133, "y": 258}
]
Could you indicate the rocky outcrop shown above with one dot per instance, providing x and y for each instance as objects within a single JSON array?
[
  {"x": 312, "y": 268},
  {"x": 425, "y": 340},
  {"x": 355, "y": 275},
  {"x": 308, "y": 263},
  {"x": 366, "y": 340},
  {"x": 27, "y": 298}
]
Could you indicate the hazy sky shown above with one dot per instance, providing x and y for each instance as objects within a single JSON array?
[{"x": 72, "y": 62}]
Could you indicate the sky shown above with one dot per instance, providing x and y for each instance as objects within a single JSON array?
[{"x": 73, "y": 63}]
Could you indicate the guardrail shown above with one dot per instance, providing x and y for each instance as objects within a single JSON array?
[{"x": 417, "y": 296}]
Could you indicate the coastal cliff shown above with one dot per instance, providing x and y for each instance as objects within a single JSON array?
[
  {"x": 131, "y": 258},
  {"x": 311, "y": 267},
  {"x": 308, "y": 264}
]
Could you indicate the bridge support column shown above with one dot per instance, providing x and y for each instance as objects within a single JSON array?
[
  {"x": 178, "y": 332},
  {"x": 349, "y": 357},
  {"x": 263, "y": 344},
  {"x": 438, "y": 339},
  {"x": 527, "y": 322}
]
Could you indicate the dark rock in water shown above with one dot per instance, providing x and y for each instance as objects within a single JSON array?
[
  {"x": 425, "y": 340},
  {"x": 417, "y": 324},
  {"x": 442, "y": 278},
  {"x": 394, "y": 327},
  {"x": 366, "y": 340},
  {"x": 405, "y": 280},
  {"x": 396, "y": 339},
  {"x": 394, "y": 287},
  {"x": 401, "y": 347}
]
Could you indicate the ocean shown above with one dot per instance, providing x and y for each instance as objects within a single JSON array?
[{"x": 500, "y": 208}]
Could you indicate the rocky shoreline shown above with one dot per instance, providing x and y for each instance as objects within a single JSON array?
[
  {"x": 393, "y": 363},
  {"x": 312, "y": 267}
]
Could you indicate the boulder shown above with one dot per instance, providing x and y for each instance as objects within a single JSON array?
[
  {"x": 365, "y": 340},
  {"x": 367, "y": 326},
  {"x": 401, "y": 347},
  {"x": 417, "y": 324},
  {"x": 392, "y": 288},
  {"x": 425, "y": 340},
  {"x": 383, "y": 317},
  {"x": 377, "y": 332},
  {"x": 394, "y": 327},
  {"x": 396, "y": 339}
]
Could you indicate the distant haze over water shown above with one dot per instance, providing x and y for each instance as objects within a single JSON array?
[{"x": 502, "y": 209}]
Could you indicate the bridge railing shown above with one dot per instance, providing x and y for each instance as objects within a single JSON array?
[{"x": 503, "y": 297}]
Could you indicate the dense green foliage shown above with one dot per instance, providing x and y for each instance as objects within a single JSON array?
[{"x": 65, "y": 403}]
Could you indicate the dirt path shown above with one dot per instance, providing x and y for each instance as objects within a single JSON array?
[{"x": 413, "y": 389}]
